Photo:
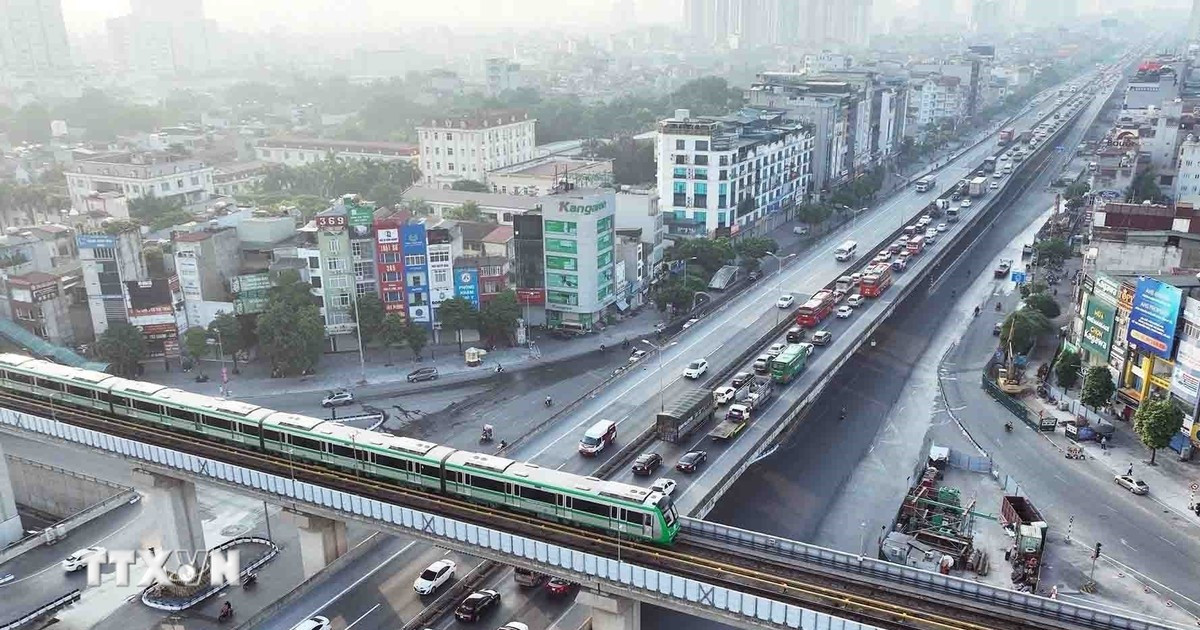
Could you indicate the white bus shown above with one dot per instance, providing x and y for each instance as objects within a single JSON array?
[
  {"x": 926, "y": 183},
  {"x": 846, "y": 251}
]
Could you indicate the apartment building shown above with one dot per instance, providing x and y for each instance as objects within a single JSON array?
[
  {"x": 108, "y": 259},
  {"x": 346, "y": 245},
  {"x": 723, "y": 174},
  {"x": 579, "y": 246},
  {"x": 937, "y": 99},
  {"x": 301, "y": 151},
  {"x": 137, "y": 175},
  {"x": 41, "y": 303},
  {"x": 469, "y": 146},
  {"x": 238, "y": 178},
  {"x": 205, "y": 262}
]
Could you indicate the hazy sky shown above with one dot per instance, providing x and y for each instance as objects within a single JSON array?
[{"x": 377, "y": 15}]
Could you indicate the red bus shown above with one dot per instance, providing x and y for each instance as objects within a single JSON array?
[
  {"x": 915, "y": 245},
  {"x": 876, "y": 279},
  {"x": 817, "y": 308}
]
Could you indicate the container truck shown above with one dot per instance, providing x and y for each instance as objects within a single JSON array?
[
  {"x": 1006, "y": 135},
  {"x": 989, "y": 164},
  {"x": 978, "y": 187},
  {"x": 1025, "y": 137},
  {"x": 688, "y": 411}
]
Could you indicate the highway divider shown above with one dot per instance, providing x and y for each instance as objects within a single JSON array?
[{"x": 448, "y": 601}]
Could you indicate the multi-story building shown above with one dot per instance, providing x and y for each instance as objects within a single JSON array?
[
  {"x": 495, "y": 207},
  {"x": 416, "y": 274},
  {"x": 108, "y": 260},
  {"x": 150, "y": 305},
  {"x": 439, "y": 253},
  {"x": 346, "y": 242},
  {"x": 40, "y": 303},
  {"x": 637, "y": 209},
  {"x": 501, "y": 75},
  {"x": 389, "y": 262},
  {"x": 205, "y": 261},
  {"x": 937, "y": 99},
  {"x": 468, "y": 147},
  {"x": 724, "y": 174},
  {"x": 301, "y": 151},
  {"x": 137, "y": 175},
  {"x": 33, "y": 40},
  {"x": 237, "y": 178},
  {"x": 579, "y": 246},
  {"x": 541, "y": 176},
  {"x": 163, "y": 38}
]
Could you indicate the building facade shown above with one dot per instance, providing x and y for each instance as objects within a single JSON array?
[
  {"x": 468, "y": 147},
  {"x": 579, "y": 245},
  {"x": 205, "y": 262},
  {"x": 33, "y": 40},
  {"x": 301, "y": 151},
  {"x": 137, "y": 175},
  {"x": 108, "y": 260}
]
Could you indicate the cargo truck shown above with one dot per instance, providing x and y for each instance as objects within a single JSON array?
[
  {"x": 688, "y": 411},
  {"x": 1006, "y": 135},
  {"x": 1025, "y": 137},
  {"x": 978, "y": 187},
  {"x": 989, "y": 164},
  {"x": 738, "y": 415}
]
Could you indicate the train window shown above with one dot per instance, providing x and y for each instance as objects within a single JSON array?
[
  {"x": 394, "y": 463},
  {"x": 182, "y": 414},
  {"x": 48, "y": 384},
  {"x": 79, "y": 391},
  {"x": 340, "y": 450},
  {"x": 635, "y": 518},
  {"x": 485, "y": 483},
  {"x": 249, "y": 429},
  {"x": 453, "y": 476},
  {"x": 597, "y": 509},
  {"x": 271, "y": 436},
  {"x": 20, "y": 378},
  {"x": 217, "y": 422},
  {"x": 537, "y": 494},
  {"x": 431, "y": 471},
  {"x": 147, "y": 406},
  {"x": 120, "y": 401},
  {"x": 303, "y": 442}
]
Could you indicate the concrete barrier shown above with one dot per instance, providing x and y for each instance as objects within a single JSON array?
[
  {"x": 60, "y": 529},
  {"x": 56, "y": 491}
]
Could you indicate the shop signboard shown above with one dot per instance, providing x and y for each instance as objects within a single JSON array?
[
  {"x": 95, "y": 241},
  {"x": 1098, "y": 326},
  {"x": 466, "y": 285},
  {"x": 1153, "y": 316},
  {"x": 1185, "y": 376},
  {"x": 531, "y": 296},
  {"x": 362, "y": 219}
]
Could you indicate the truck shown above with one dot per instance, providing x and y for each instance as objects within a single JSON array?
[
  {"x": 978, "y": 187},
  {"x": 738, "y": 415},
  {"x": 1016, "y": 510},
  {"x": 926, "y": 183},
  {"x": 1006, "y": 135},
  {"x": 688, "y": 411},
  {"x": 760, "y": 392},
  {"x": 790, "y": 362},
  {"x": 989, "y": 164},
  {"x": 1025, "y": 137}
]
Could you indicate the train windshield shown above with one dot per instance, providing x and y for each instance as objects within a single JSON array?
[{"x": 668, "y": 509}]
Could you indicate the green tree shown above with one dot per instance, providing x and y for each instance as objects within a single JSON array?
[
  {"x": 498, "y": 318},
  {"x": 470, "y": 185},
  {"x": 417, "y": 337},
  {"x": 290, "y": 331},
  {"x": 1156, "y": 421},
  {"x": 1043, "y": 303},
  {"x": 393, "y": 332},
  {"x": 456, "y": 314},
  {"x": 709, "y": 254},
  {"x": 1077, "y": 190},
  {"x": 418, "y": 207},
  {"x": 1021, "y": 329},
  {"x": 369, "y": 313},
  {"x": 158, "y": 213},
  {"x": 1067, "y": 369},
  {"x": 123, "y": 346},
  {"x": 1098, "y": 387},
  {"x": 231, "y": 332},
  {"x": 468, "y": 211},
  {"x": 756, "y": 247},
  {"x": 195, "y": 341},
  {"x": 813, "y": 213},
  {"x": 1052, "y": 251}
]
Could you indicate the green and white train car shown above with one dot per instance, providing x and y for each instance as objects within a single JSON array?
[{"x": 586, "y": 501}]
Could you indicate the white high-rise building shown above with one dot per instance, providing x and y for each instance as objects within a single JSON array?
[
  {"x": 467, "y": 147},
  {"x": 163, "y": 38},
  {"x": 33, "y": 39},
  {"x": 1194, "y": 22}
]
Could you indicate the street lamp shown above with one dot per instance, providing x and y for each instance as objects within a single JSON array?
[
  {"x": 778, "y": 277},
  {"x": 662, "y": 405}
]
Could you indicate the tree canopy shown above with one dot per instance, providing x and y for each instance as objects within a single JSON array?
[
  {"x": 470, "y": 185},
  {"x": 1043, "y": 303},
  {"x": 455, "y": 314},
  {"x": 1156, "y": 421},
  {"x": 123, "y": 346},
  {"x": 331, "y": 177},
  {"x": 1067, "y": 369},
  {"x": 498, "y": 318},
  {"x": 1098, "y": 387},
  {"x": 1021, "y": 329},
  {"x": 290, "y": 331},
  {"x": 369, "y": 314}
]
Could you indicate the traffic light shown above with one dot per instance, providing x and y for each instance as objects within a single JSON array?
[{"x": 1096, "y": 555}]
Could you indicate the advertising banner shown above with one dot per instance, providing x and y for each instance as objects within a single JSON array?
[
  {"x": 362, "y": 220},
  {"x": 1185, "y": 376},
  {"x": 250, "y": 282},
  {"x": 531, "y": 296},
  {"x": 1153, "y": 316},
  {"x": 1098, "y": 326},
  {"x": 466, "y": 285},
  {"x": 1107, "y": 287},
  {"x": 45, "y": 291},
  {"x": 387, "y": 235},
  {"x": 95, "y": 241},
  {"x": 331, "y": 223}
]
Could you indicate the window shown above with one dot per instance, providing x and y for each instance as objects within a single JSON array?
[
  {"x": 360, "y": 248},
  {"x": 416, "y": 299},
  {"x": 484, "y": 483},
  {"x": 595, "y": 509},
  {"x": 450, "y": 166},
  {"x": 179, "y": 183},
  {"x": 439, "y": 257},
  {"x": 681, "y": 159},
  {"x": 389, "y": 257},
  {"x": 680, "y": 173},
  {"x": 416, "y": 280},
  {"x": 680, "y": 145},
  {"x": 339, "y": 282},
  {"x": 165, "y": 186},
  {"x": 414, "y": 260},
  {"x": 315, "y": 281},
  {"x": 701, "y": 173},
  {"x": 195, "y": 181},
  {"x": 335, "y": 264},
  {"x": 441, "y": 276},
  {"x": 364, "y": 269},
  {"x": 449, "y": 136},
  {"x": 335, "y": 246},
  {"x": 342, "y": 300},
  {"x": 536, "y": 494},
  {"x": 702, "y": 145},
  {"x": 391, "y": 276},
  {"x": 393, "y": 296}
]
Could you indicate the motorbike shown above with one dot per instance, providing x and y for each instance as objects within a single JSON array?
[
  {"x": 1008, "y": 427},
  {"x": 201, "y": 378},
  {"x": 250, "y": 581},
  {"x": 486, "y": 436},
  {"x": 226, "y": 615},
  {"x": 549, "y": 403}
]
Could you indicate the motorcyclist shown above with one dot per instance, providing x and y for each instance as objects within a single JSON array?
[
  {"x": 549, "y": 401},
  {"x": 226, "y": 610},
  {"x": 503, "y": 445},
  {"x": 487, "y": 431},
  {"x": 976, "y": 311},
  {"x": 842, "y": 416}
]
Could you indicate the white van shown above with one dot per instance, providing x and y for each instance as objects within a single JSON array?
[
  {"x": 598, "y": 437},
  {"x": 846, "y": 251}
]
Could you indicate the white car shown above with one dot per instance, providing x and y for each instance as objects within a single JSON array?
[
  {"x": 994, "y": 186},
  {"x": 314, "y": 623},
  {"x": 338, "y": 399},
  {"x": 775, "y": 349},
  {"x": 855, "y": 300},
  {"x": 966, "y": 203},
  {"x": 79, "y": 559},
  {"x": 636, "y": 356},
  {"x": 433, "y": 577},
  {"x": 931, "y": 235},
  {"x": 664, "y": 485},
  {"x": 513, "y": 625},
  {"x": 696, "y": 368},
  {"x": 942, "y": 227},
  {"x": 785, "y": 301},
  {"x": 844, "y": 312},
  {"x": 691, "y": 322},
  {"x": 724, "y": 394}
]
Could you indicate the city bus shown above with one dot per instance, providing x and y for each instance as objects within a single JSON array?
[
  {"x": 915, "y": 245},
  {"x": 787, "y": 364},
  {"x": 815, "y": 310},
  {"x": 926, "y": 183},
  {"x": 876, "y": 279}
]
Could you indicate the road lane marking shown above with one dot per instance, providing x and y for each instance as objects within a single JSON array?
[
  {"x": 362, "y": 579},
  {"x": 1131, "y": 547},
  {"x": 364, "y": 615},
  {"x": 1167, "y": 541}
]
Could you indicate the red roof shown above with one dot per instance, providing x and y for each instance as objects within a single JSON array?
[
  {"x": 32, "y": 278},
  {"x": 501, "y": 234}
]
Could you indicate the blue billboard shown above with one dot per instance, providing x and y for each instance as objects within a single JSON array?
[
  {"x": 1152, "y": 319},
  {"x": 416, "y": 274},
  {"x": 466, "y": 284},
  {"x": 95, "y": 241}
]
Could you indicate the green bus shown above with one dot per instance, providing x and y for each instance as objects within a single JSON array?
[{"x": 787, "y": 364}]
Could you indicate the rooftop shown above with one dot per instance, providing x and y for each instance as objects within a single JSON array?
[
  {"x": 382, "y": 148},
  {"x": 136, "y": 165},
  {"x": 33, "y": 277},
  {"x": 485, "y": 200},
  {"x": 502, "y": 234},
  {"x": 483, "y": 119},
  {"x": 553, "y": 166}
]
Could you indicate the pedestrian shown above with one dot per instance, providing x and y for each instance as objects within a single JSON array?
[
  {"x": 1104, "y": 442},
  {"x": 1129, "y": 473}
]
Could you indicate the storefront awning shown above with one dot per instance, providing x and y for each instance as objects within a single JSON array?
[{"x": 622, "y": 305}]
